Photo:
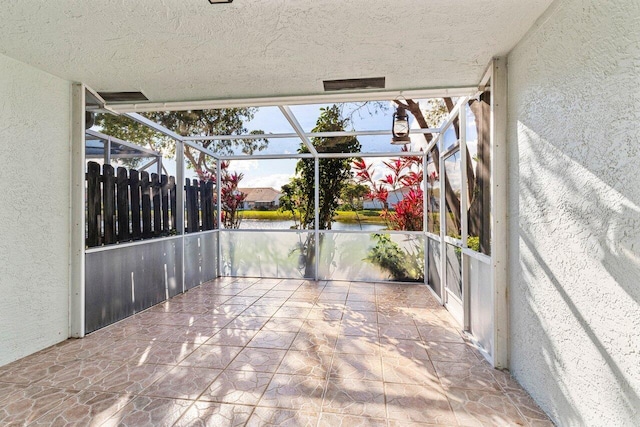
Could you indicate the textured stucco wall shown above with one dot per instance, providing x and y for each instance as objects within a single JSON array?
[
  {"x": 34, "y": 209},
  {"x": 574, "y": 120}
]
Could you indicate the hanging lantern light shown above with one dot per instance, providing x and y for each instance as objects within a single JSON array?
[{"x": 400, "y": 130}]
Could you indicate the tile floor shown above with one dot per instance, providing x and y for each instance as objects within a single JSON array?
[{"x": 264, "y": 352}]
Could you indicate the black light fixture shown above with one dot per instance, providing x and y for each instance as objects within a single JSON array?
[
  {"x": 400, "y": 130},
  {"x": 220, "y": 1}
]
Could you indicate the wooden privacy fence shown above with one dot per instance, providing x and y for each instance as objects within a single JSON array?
[{"x": 125, "y": 205}]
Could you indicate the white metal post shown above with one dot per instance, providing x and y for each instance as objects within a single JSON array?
[
  {"x": 464, "y": 226},
  {"x": 219, "y": 212},
  {"x": 499, "y": 201},
  {"x": 77, "y": 273},
  {"x": 425, "y": 243},
  {"x": 443, "y": 224},
  {"x": 316, "y": 194},
  {"x": 180, "y": 203}
]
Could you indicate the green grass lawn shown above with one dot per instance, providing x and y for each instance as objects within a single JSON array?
[{"x": 366, "y": 217}]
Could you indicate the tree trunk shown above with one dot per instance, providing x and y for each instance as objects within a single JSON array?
[
  {"x": 479, "y": 215},
  {"x": 452, "y": 200}
]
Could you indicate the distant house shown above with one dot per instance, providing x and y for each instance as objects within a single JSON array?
[
  {"x": 393, "y": 199},
  {"x": 261, "y": 198}
]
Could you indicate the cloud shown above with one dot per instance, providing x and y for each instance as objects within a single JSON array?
[
  {"x": 275, "y": 181},
  {"x": 243, "y": 165}
]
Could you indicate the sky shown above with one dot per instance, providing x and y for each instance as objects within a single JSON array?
[{"x": 275, "y": 173}]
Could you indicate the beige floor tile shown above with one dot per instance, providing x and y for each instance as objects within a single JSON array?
[
  {"x": 157, "y": 332},
  {"x": 326, "y": 326},
  {"x": 275, "y": 417},
  {"x": 283, "y": 325},
  {"x": 355, "y": 397},
  {"x": 214, "y": 320},
  {"x": 257, "y": 360},
  {"x": 440, "y": 333},
  {"x": 340, "y": 297},
  {"x": 272, "y": 339},
  {"x": 232, "y": 337},
  {"x": 21, "y": 373},
  {"x": 394, "y": 318},
  {"x": 360, "y": 329},
  {"x": 341, "y": 420},
  {"x": 277, "y": 293},
  {"x": 242, "y": 301},
  {"x": 404, "y": 423},
  {"x": 237, "y": 387},
  {"x": 7, "y": 388},
  {"x": 247, "y": 322},
  {"x": 325, "y": 314},
  {"x": 80, "y": 374},
  {"x": 344, "y": 354},
  {"x": 127, "y": 349},
  {"x": 466, "y": 376},
  {"x": 260, "y": 310},
  {"x": 528, "y": 408},
  {"x": 482, "y": 408},
  {"x": 194, "y": 335},
  {"x": 409, "y": 371},
  {"x": 270, "y": 301},
  {"x": 297, "y": 303},
  {"x": 212, "y": 414},
  {"x": 226, "y": 309},
  {"x": 368, "y": 304},
  {"x": 307, "y": 363},
  {"x": 292, "y": 312},
  {"x": 87, "y": 408},
  {"x": 393, "y": 347},
  {"x": 367, "y": 345},
  {"x": 402, "y": 332},
  {"x": 297, "y": 392},
  {"x": 24, "y": 404},
  {"x": 317, "y": 341},
  {"x": 356, "y": 366},
  {"x": 416, "y": 403},
  {"x": 130, "y": 378},
  {"x": 252, "y": 292},
  {"x": 359, "y": 316},
  {"x": 443, "y": 351},
  {"x": 170, "y": 319},
  {"x": 145, "y": 411},
  {"x": 169, "y": 353},
  {"x": 211, "y": 356},
  {"x": 182, "y": 382}
]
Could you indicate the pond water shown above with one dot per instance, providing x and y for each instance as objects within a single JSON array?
[{"x": 261, "y": 224}]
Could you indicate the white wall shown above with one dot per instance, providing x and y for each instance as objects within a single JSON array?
[
  {"x": 34, "y": 209},
  {"x": 574, "y": 108}
]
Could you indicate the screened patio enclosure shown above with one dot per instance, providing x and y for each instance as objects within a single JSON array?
[{"x": 151, "y": 236}]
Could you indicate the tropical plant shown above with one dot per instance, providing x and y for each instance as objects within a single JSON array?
[
  {"x": 299, "y": 194},
  {"x": 334, "y": 174},
  {"x": 224, "y": 121},
  {"x": 232, "y": 198},
  {"x": 405, "y": 173},
  {"x": 402, "y": 265}
]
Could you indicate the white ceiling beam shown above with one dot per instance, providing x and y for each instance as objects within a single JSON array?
[
  {"x": 153, "y": 125},
  {"x": 307, "y": 134},
  {"x": 346, "y": 96},
  {"x": 291, "y": 118}
]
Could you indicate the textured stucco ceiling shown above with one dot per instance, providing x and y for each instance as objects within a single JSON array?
[{"x": 180, "y": 50}]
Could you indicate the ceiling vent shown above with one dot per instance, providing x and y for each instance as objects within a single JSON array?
[
  {"x": 354, "y": 84},
  {"x": 123, "y": 96}
]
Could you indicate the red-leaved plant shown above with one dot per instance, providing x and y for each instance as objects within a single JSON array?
[
  {"x": 232, "y": 198},
  {"x": 405, "y": 173}
]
